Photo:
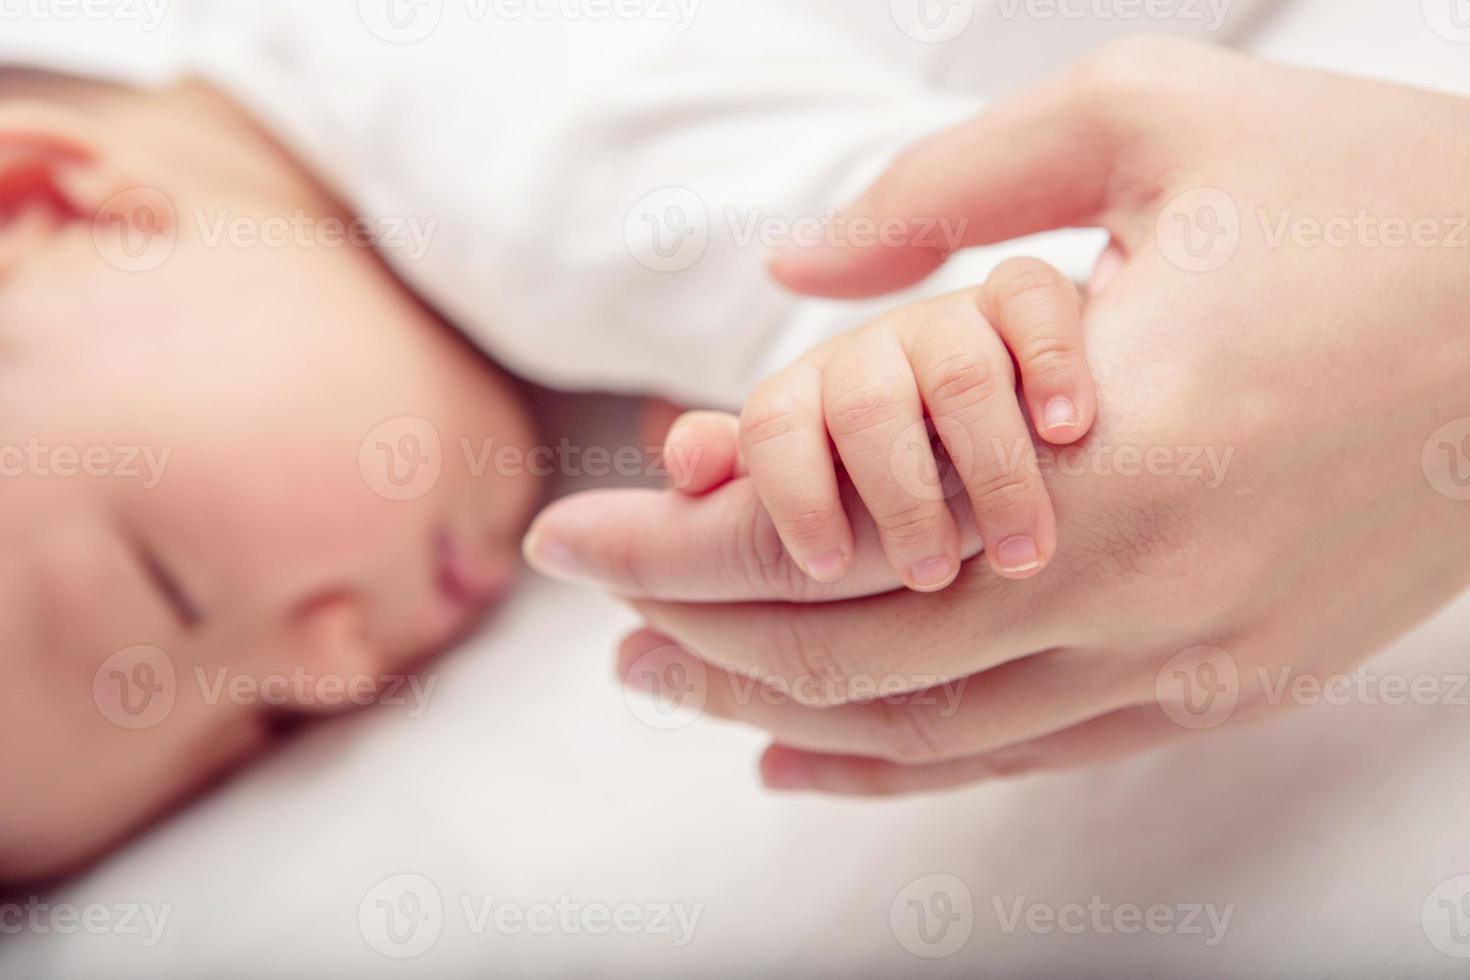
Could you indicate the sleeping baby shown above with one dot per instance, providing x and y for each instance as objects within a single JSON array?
[{"x": 206, "y": 262}]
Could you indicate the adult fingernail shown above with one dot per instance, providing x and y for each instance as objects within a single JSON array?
[
  {"x": 1017, "y": 554},
  {"x": 554, "y": 559},
  {"x": 932, "y": 573},
  {"x": 1060, "y": 414},
  {"x": 782, "y": 771},
  {"x": 828, "y": 567}
]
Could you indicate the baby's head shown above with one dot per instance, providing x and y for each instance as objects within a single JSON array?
[{"x": 238, "y": 456}]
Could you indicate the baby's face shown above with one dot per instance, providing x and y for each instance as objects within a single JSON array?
[{"x": 251, "y": 481}]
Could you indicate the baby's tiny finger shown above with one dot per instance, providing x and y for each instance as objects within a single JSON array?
[
  {"x": 966, "y": 378},
  {"x": 702, "y": 451},
  {"x": 1037, "y": 312},
  {"x": 876, "y": 418},
  {"x": 783, "y": 439}
]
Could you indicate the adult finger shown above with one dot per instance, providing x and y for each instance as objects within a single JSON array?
[
  {"x": 909, "y": 636},
  {"x": 720, "y": 547},
  {"x": 947, "y": 720},
  {"x": 1072, "y": 151},
  {"x": 1111, "y": 736}
]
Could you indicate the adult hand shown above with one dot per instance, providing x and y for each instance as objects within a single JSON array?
[{"x": 1278, "y": 479}]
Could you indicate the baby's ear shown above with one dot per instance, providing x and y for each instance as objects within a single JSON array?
[
  {"x": 328, "y": 659},
  {"x": 56, "y": 169}
]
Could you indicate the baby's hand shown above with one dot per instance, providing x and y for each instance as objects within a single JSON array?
[{"x": 948, "y": 360}]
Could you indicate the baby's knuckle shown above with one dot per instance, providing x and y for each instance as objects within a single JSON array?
[
  {"x": 808, "y": 520},
  {"x": 862, "y": 409},
  {"x": 909, "y": 525},
  {"x": 962, "y": 381},
  {"x": 1003, "y": 490},
  {"x": 1047, "y": 356},
  {"x": 769, "y": 417}
]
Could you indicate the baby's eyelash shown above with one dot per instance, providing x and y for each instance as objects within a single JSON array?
[{"x": 184, "y": 608}]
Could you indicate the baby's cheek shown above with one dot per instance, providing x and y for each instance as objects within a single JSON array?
[{"x": 85, "y": 606}]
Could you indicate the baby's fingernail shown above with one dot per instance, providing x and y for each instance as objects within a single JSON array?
[
  {"x": 827, "y": 567},
  {"x": 1060, "y": 414},
  {"x": 1017, "y": 554},
  {"x": 931, "y": 573}
]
